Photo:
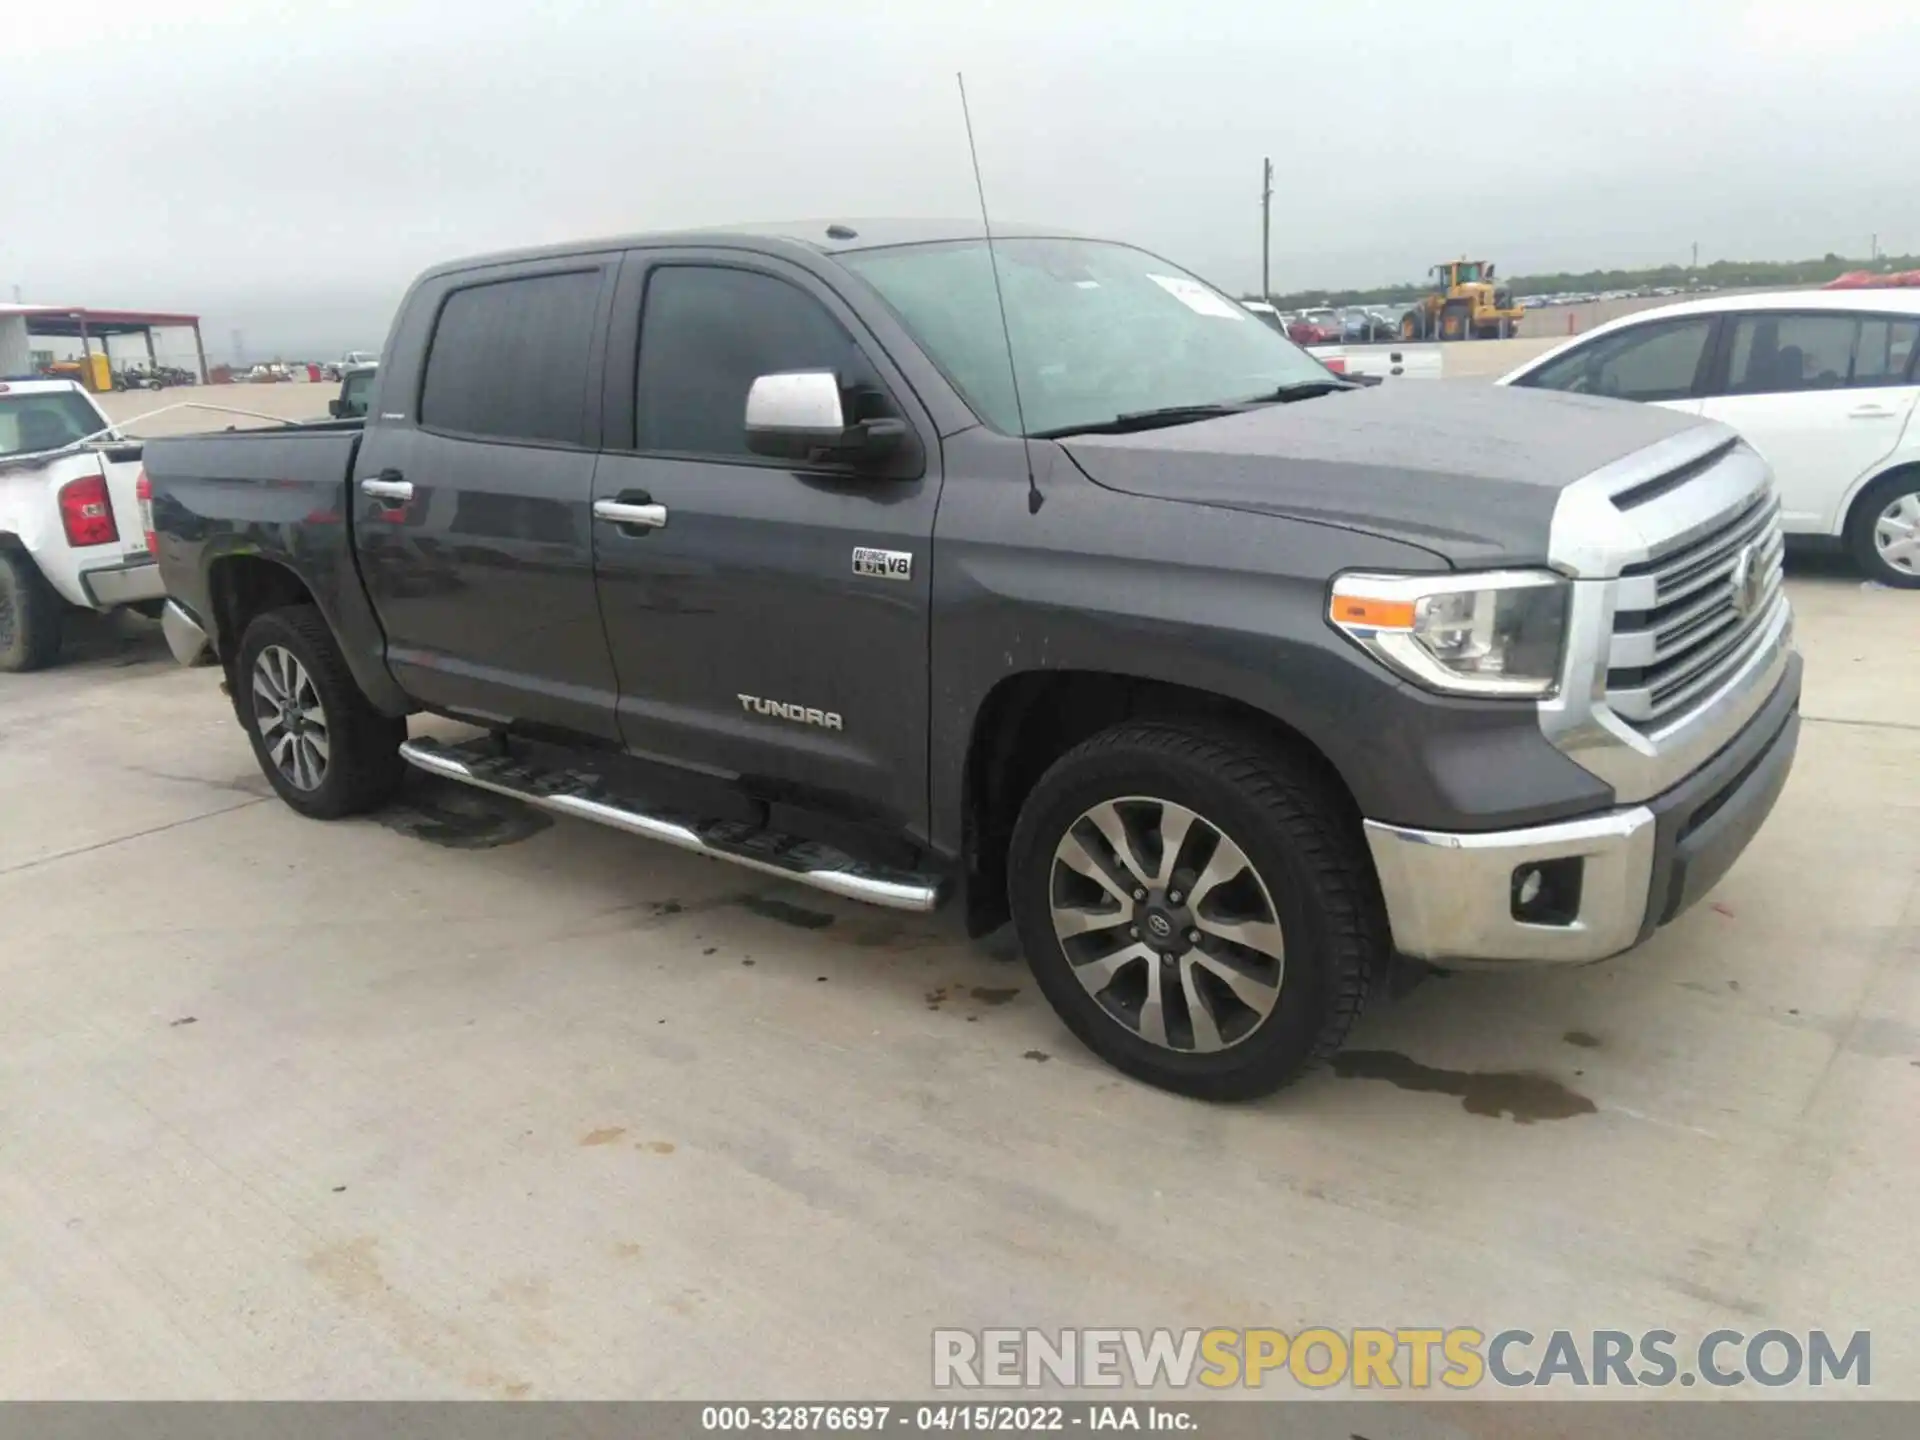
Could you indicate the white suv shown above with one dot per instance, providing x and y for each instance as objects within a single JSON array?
[{"x": 1822, "y": 383}]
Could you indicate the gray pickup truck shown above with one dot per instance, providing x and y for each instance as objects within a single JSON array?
[{"x": 1224, "y": 680}]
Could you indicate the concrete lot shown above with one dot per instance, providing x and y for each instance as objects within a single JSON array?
[
  {"x": 452, "y": 1102},
  {"x": 172, "y": 412}
]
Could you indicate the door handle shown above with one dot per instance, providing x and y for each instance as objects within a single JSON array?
[
  {"x": 388, "y": 487},
  {"x": 627, "y": 512}
]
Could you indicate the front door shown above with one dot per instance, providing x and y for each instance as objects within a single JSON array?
[
  {"x": 474, "y": 523},
  {"x": 747, "y": 639},
  {"x": 1823, "y": 396}
]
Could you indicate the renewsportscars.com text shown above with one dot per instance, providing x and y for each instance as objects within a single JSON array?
[{"x": 1418, "y": 1358}]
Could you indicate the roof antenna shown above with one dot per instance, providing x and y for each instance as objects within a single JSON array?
[{"x": 1034, "y": 498}]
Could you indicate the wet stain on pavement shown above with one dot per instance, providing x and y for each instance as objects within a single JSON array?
[
  {"x": 604, "y": 1136},
  {"x": 656, "y": 1147},
  {"x": 769, "y": 908},
  {"x": 1039, "y": 1055},
  {"x": 183, "y": 1020},
  {"x": 459, "y": 817},
  {"x": 1525, "y": 1095},
  {"x": 1586, "y": 1040},
  {"x": 941, "y": 995}
]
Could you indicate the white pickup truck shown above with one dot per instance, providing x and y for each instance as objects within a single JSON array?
[{"x": 73, "y": 532}]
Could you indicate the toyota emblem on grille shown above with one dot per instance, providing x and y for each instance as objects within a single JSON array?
[{"x": 1748, "y": 580}]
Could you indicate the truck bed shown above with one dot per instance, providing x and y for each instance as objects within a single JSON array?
[{"x": 274, "y": 495}]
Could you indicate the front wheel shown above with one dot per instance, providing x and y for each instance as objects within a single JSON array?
[
  {"x": 1198, "y": 909},
  {"x": 1884, "y": 531},
  {"x": 320, "y": 743}
]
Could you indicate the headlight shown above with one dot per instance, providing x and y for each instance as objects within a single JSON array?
[{"x": 1498, "y": 633}]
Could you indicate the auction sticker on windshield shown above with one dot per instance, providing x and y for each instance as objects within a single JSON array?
[{"x": 1197, "y": 297}]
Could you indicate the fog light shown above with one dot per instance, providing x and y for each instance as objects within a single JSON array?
[{"x": 1548, "y": 893}]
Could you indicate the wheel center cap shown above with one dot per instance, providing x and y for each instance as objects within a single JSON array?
[{"x": 1164, "y": 925}]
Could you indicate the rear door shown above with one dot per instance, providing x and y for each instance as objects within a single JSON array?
[
  {"x": 745, "y": 640},
  {"x": 472, "y": 498},
  {"x": 1823, "y": 395}
]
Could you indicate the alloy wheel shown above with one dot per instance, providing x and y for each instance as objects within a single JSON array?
[
  {"x": 291, "y": 719},
  {"x": 1167, "y": 924}
]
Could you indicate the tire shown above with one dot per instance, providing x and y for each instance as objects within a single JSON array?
[
  {"x": 1878, "y": 515},
  {"x": 330, "y": 754},
  {"x": 31, "y": 615},
  {"x": 1301, "y": 866},
  {"x": 1456, "y": 322},
  {"x": 1413, "y": 325}
]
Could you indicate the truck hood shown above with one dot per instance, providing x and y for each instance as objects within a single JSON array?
[{"x": 1469, "y": 472}]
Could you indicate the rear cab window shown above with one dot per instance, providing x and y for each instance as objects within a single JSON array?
[
  {"x": 48, "y": 420},
  {"x": 509, "y": 359}
]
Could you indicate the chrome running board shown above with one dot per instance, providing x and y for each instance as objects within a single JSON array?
[{"x": 567, "y": 792}]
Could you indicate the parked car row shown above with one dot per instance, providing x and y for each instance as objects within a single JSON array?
[{"x": 1644, "y": 292}]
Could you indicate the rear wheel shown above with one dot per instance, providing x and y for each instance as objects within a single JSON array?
[
  {"x": 1413, "y": 325},
  {"x": 1197, "y": 908},
  {"x": 320, "y": 743},
  {"x": 30, "y": 615},
  {"x": 1456, "y": 322},
  {"x": 1884, "y": 530}
]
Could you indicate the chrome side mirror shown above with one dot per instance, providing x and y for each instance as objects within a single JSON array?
[{"x": 798, "y": 415}]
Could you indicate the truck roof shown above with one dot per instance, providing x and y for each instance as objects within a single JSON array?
[
  {"x": 38, "y": 386},
  {"x": 824, "y": 237}
]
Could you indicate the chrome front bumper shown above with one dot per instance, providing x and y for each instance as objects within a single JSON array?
[
  {"x": 1607, "y": 881},
  {"x": 1451, "y": 897},
  {"x": 185, "y": 638}
]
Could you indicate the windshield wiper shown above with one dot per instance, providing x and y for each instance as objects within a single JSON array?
[
  {"x": 1304, "y": 390},
  {"x": 1130, "y": 421}
]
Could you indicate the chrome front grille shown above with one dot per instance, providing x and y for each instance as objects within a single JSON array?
[{"x": 1687, "y": 619}]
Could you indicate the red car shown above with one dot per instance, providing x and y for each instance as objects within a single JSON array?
[{"x": 1314, "y": 327}]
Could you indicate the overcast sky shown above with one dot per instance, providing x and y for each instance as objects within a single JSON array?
[{"x": 284, "y": 168}]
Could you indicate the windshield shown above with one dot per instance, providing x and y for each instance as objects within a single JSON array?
[
  {"x": 1099, "y": 330},
  {"x": 45, "y": 421}
]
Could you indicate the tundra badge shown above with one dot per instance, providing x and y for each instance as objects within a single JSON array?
[
  {"x": 883, "y": 564},
  {"x": 805, "y": 714}
]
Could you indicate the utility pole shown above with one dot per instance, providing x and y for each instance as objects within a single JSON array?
[
  {"x": 16, "y": 294},
  {"x": 1696, "y": 255},
  {"x": 1873, "y": 248},
  {"x": 1266, "y": 228}
]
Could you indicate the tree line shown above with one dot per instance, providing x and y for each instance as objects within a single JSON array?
[{"x": 1720, "y": 274}]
